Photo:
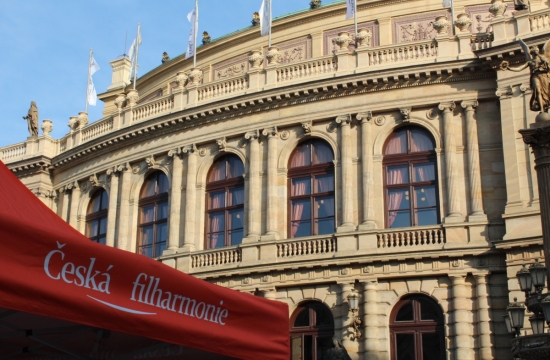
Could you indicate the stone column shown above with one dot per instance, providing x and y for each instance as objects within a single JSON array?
[
  {"x": 75, "y": 200},
  {"x": 345, "y": 320},
  {"x": 538, "y": 137},
  {"x": 272, "y": 209},
  {"x": 113, "y": 204},
  {"x": 460, "y": 326},
  {"x": 175, "y": 201},
  {"x": 254, "y": 189},
  {"x": 64, "y": 195},
  {"x": 190, "y": 198},
  {"x": 453, "y": 213},
  {"x": 269, "y": 293},
  {"x": 483, "y": 318},
  {"x": 346, "y": 179},
  {"x": 474, "y": 172},
  {"x": 527, "y": 91},
  {"x": 367, "y": 166},
  {"x": 124, "y": 231},
  {"x": 370, "y": 319}
]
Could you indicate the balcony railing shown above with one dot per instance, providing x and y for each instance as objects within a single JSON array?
[
  {"x": 13, "y": 152},
  {"x": 152, "y": 109},
  {"x": 307, "y": 69},
  {"x": 97, "y": 129},
  {"x": 411, "y": 238},
  {"x": 223, "y": 88},
  {"x": 297, "y": 248},
  {"x": 216, "y": 258},
  {"x": 403, "y": 53}
]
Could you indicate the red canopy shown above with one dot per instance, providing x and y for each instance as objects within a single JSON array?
[{"x": 47, "y": 268}]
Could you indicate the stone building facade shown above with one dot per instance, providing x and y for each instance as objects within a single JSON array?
[{"x": 419, "y": 194}]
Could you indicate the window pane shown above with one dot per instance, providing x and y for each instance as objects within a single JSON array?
[
  {"x": 324, "y": 183},
  {"x": 424, "y": 196},
  {"x": 216, "y": 241},
  {"x": 159, "y": 248},
  {"x": 301, "y": 209},
  {"x": 405, "y": 346},
  {"x": 218, "y": 172},
  {"x": 104, "y": 200},
  {"x": 236, "y": 218},
  {"x": 296, "y": 347},
  {"x": 162, "y": 232},
  {"x": 149, "y": 187},
  {"x": 302, "y": 156},
  {"x": 162, "y": 183},
  {"x": 397, "y": 144},
  {"x": 427, "y": 310},
  {"x": 301, "y": 228},
  {"x": 236, "y": 196},
  {"x": 102, "y": 240},
  {"x": 216, "y": 222},
  {"x": 397, "y": 174},
  {"x": 325, "y": 226},
  {"x": 324, "y": 206},
  {"x": 424, "y": 172},
  {"x": 405, "y": 313},
  {"x": 103, "y": 226},
  {"x": 322, "y": 316},
  {"x": 322, "y": 153},
  {"x": 236, "y": 168},
  {"x": 235, "y": 237},
  {"x": 397, "y": 219},
  {"x": 217, "y": 200},
  {"x": 147, "y": 214},
  {"x": 91, "y": 228},
  {"x": 398, "y": 199},
  {"x": 146, "y": 250},
  {"x": 302, "y": 319},
  {"x": 162, "y": 209},
  {"x": 94, "y": 205},
  {"x": 431, "y": 346},
  {"x": 426, "y": 217},
  {"x": 147, "y": 235},
  {"x": 300, "y": 186},
  {"x": 420, "y": 141},
  {"x": 308, "y": 347}
]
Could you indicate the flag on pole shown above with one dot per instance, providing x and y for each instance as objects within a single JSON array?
[
  {"x": 132, "y": 53},
  {"x": 350, "y": 9},
  {"x": 92, "y": 94},
  {"x": 265, "y": 17},
  {"x": 192, "y": 44}
]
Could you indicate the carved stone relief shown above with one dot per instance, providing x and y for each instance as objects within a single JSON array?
[
  {"x": 153, "y": 95},
  {"x": 481, "y": 17},
  {"x": 329, "y": 37},
  {"x": 417, "y": 27},
  {"x": 232, "y": 67},
  {"x": 294, "y": 50}
]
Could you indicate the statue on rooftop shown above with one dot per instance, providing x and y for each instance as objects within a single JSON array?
[
  {"x": 540, "y": 75},
  {"x": 206, "y": 39},
  {"x": 255, "y": 19},
  {"x": 165, "y": 57},
  {"x": 32, "y": 119},
  {"x": 314, "y": 4}
]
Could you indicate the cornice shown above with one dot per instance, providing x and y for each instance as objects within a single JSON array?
[
  {"x": 38, "y": 164},
  {"x": 290, "y": 95}
]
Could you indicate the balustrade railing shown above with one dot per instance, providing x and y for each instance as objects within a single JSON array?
[
  {"x": 306, "y": 247},
  {"x": 156, "y": 107},
  {"x": 13, "y": 151},
  {"x": 97, "y": 129},
  {"x": 216, "y": 257},
  {"x": 222, "y": 88},
  {"x": 305, "y": 69},
  {"x": 411, "y": 238},
  {"x": 481, "y": 41},
  {"x": 540, "y": 20},
  {"x": 410, "y": 52}
]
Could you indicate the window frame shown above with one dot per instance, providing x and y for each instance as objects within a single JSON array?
[
  {"x": 226, "y": 185},
  {"x": 97, "y": 216},
  {"x": 410, "y": 159},
  {"x": 311, "y": 171},
  {"x": 312, "y": 329},
  {"x": 155, "y": 201}
]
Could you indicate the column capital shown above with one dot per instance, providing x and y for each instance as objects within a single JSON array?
[
  {"x": 504, "y": 92},
  {"x": 117, "y": 170},
  {"x": 252, "y": 135},
  {"x": 481, "y": 276},
  {"x": 189, "y": 149},
  {"x": 457, "y": 277},
  {"x": 270, "y": 132},
  {"x": 343, "y": 120},
  {"x": 369, "y": 282},
  {"x": 177, "y": 152},
  {"x": 469, "y": 104},
  {"x": 447, "y": 106},
  {"x": 526, "y": 89},
  {"x": 537, "y": 137},
  {"x": 364, "y": 117}
]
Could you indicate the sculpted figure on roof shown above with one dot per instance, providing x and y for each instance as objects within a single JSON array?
[{"x": 32, "y": 119}]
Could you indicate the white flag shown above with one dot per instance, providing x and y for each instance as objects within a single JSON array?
[
  {"x": 447, "y": 3},
  {"x": 193, "y": 18},
  {"x": 350, "y": 10},
  {"x": 265, "y": 17},
  {"x": 92, "y": 94},
  {"x": 132, "y": 53}
]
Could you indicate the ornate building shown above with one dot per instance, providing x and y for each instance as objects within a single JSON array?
[{"x": 385, "y": 165}]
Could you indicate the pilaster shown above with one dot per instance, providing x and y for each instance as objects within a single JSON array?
[
  {"x": 174, "y": 238},
  {"x": 124, "y": 226},
  {"x": 462, "y": 345},
  {"x": 368, "y": 222},
  {"x": 370, "y": 319},
  {"x": 190, "y": 198},
  {"x": 75, "y": 200},
  {"x": 483, "y": 317},
  {"x": 254, "y": 190},
  {"x": 112, "y": 217},
  {"x": 272, "y": 212}
]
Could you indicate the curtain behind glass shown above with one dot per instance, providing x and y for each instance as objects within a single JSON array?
[
  {"x": 321, "y": 153},
  {"x": 302, "y": 156},
  {"x": 420, "y": 141},
  {"x": 397, "y": 144}
]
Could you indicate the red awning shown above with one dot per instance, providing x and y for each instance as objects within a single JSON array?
[{"x": 49, "y": 269}]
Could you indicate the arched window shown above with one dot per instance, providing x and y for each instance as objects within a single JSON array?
[
  {"x": 416, "y": 329},
  {"x": 96, "y": 217},
  {"x": 311, "y": 189},
  {"x": 153, "y": 215},
  {"x": 225, "y": 203},
  {"x": 410, "y": 179},
  {"x": 311, "y": 332}
]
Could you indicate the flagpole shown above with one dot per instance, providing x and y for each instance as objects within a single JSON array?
[
  {"x": 270, "y": 17},
  {"x": 196, "y": 26},
  {"x": 355, "y": 20},
  {"x": 88, "y": 84},
  {"x": 137, "y": 51},
  {"x": 453, "y": 16}
]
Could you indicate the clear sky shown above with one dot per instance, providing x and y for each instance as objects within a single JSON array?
[{"x": 44, "y": 48}]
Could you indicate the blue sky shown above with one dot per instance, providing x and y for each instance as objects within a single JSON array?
[{"x": 45, "y": 47}]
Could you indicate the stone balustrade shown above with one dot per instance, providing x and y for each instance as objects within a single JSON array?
[
  {"x": 297, "y": 247},
  {"x": 223, "y": 88},
  {"x": 216, "y": 257},
  {"x": 410, "y": 53},
  {"x": 305, "y": 70},
  {"x": 481, "y": 41},
  {"x": 540, "y": 21},
  {"x": 411, "y": 237},
  {"x": 97, "y": 129},
  {"x": 13, "y": 152},
  {"x": 157, "y": 107}
]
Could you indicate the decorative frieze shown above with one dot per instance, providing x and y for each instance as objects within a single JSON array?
[
  {"x": 419, "y": 27},
  {"x": 330, "y": 45},
  {"x": 481, "y": 17},
  {"x": 293, "y": 50}
]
